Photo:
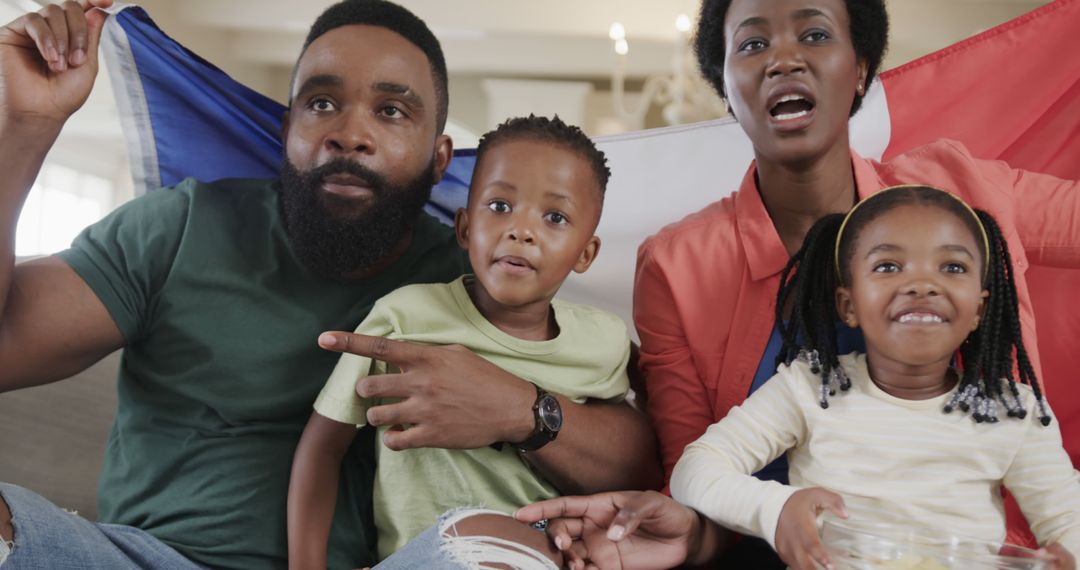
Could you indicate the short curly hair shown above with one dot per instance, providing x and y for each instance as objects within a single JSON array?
[
  {"x": 397, "y": 19},
  {"x": 868, "y": 23},
  {"x": 554, "y": 131}
]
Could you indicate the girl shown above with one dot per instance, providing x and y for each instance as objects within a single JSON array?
[{"x": 914, "y": 431}]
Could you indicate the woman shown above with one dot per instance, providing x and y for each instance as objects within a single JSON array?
[{"x": 793, "y": 71}]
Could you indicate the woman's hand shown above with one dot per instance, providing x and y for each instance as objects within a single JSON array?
[
  {"x": 797, "y": 539},
  {"x": 1059, "y": 558},
  {"x": 627, "y": 530}
]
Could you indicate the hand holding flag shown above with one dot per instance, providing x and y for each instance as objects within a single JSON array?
[{"x": 65, "y": 39}]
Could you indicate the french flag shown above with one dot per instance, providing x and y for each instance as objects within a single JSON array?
[{"x": 1010, "y": 93}]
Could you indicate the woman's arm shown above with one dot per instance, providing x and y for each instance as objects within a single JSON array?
[
  {"x": 313, "y": 488},
  {"x": 678, "y": 401}
]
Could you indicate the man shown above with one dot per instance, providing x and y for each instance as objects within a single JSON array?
[{"x": 218, "y": 291}]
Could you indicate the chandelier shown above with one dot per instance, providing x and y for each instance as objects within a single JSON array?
[{"x": 683, "y": 95}]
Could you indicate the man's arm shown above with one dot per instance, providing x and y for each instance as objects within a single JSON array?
[
  {"x": 51, "y": 323},
  {"x": 601, "y": 446}
]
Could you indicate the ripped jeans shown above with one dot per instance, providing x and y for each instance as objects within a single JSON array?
[
  {"x": 48, "y": 537},
  {"x": 440, "y": 547}
]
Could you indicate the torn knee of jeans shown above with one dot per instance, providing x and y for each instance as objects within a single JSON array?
[
  {"x": 6, "y": 546},
  {"x": 481, "y": 551}
]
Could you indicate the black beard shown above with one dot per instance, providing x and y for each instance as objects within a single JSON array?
[{"x": 337, "y": 238}]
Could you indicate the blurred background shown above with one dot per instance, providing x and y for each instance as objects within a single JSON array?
[{"x": 611, "y": 66}]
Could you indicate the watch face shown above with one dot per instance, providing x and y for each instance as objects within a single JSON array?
[{"x": 550, "y": 413}]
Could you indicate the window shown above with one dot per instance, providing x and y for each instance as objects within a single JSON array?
[{"x": 61, "y": 203}]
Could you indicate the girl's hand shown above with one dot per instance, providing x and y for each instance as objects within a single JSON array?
[
  {"x": 1059, "y": 558},
  {"x": 797, "y": 539}
]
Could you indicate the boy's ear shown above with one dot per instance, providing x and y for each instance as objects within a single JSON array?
[
  {"x": 981, "y": 311},
  {"x": 845, "y": 309},
  {"x": 588, "y": 255},
  {"x": 461, "y": 227}
]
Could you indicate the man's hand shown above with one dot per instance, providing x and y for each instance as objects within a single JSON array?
[
  {"x": 797, "y": 539},
  {"x": 626, "y": 530},
  {"x": 48, "y": 62},
  {"x": 449, "y": 397}
]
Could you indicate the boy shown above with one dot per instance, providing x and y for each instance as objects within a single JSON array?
[{"x": 534, "y": 204}]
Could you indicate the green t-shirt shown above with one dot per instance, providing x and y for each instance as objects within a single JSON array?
[
  {"x": 221, "y": 367},
  {"x": 413, "y": 487}
]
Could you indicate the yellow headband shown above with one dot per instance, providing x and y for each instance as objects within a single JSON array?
[{"x": 847, "y": 218}]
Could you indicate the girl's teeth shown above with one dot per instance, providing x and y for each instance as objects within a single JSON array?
[{"x": 913, "y": 318}]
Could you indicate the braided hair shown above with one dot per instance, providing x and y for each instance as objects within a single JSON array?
[{"x": 992, "y": 358}]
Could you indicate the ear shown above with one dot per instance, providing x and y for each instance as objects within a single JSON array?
[
  {"x": 981, "y": 311},
  {"x": 461, "y": 227},
  {"x": 863, "y": 68},
  {"x": 284, "y": 127},
  {"x": 588, "y": 255},
  {"x": 845, "y": 308},
  {"x": 444, "y": 151}
]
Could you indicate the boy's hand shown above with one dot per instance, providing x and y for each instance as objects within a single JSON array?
[
  {"x": 1059, "y": 558},
  {"x": 797, "y": 540}
]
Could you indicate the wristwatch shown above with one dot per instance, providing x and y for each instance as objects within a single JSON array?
[{"x": 548, "y": 416}]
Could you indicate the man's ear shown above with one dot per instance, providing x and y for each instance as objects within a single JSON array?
[
  {"x": 588, "y": 255},
  {"x": 461, "y": 227},
  {"x": 444, "y": 151},
  {"x": 845, "y": 309}
]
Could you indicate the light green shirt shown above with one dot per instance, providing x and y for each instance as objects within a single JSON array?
[{"x": 413, "y": 487}]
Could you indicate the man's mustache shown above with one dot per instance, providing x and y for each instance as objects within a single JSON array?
[{"x": 370, "y": 178}]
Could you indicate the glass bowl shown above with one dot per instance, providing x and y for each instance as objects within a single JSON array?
[{"x": 881, "y": 546}]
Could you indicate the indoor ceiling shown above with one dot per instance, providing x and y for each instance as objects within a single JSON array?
[
  {"x": 257, "y": 41},
  {"x": 526, "y": 38}
]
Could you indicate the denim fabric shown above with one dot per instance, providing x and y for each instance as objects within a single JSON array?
[
  {"x": 435, "y": 549},
  {"x": 421, "y": 552},
  {"x": 50, "y": 538}
]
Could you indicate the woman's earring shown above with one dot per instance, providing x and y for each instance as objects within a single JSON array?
[{"x": 859, "y": 89}]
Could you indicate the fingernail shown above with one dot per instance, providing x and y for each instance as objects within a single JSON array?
[
  {"x": 560, "y": 543},
  {"x": 78, "y": 57},
  {"x": 51, "y": 54},
  {"x": 616, "y": 532},
  {"x": 328, "y": 340}
]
